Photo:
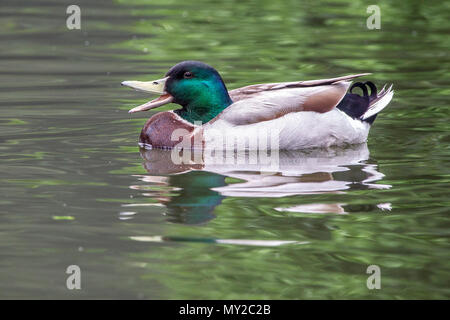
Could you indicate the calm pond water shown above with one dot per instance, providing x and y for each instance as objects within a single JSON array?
[{"x": 76, "y": 190}]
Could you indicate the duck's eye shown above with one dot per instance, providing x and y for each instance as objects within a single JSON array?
[{"x": 188, "y": 75}]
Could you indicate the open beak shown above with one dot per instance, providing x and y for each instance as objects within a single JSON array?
[{"x": 156, "y": 86}]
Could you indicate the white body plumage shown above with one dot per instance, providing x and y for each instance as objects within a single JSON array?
[{"x": 295, "y": 130}]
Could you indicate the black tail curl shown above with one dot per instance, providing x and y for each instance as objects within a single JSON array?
[{"x": 355, "y": 105}]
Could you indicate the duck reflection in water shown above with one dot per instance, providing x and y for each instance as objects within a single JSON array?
[{"x": 200, "y": 185}]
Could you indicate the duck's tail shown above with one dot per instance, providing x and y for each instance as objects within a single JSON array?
[{"x": 366, "y": 107}]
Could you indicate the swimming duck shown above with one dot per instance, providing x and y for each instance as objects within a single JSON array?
[{"x": 285, "y": 116}]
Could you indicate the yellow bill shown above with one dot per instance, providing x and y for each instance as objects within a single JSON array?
[{"x": 157, "y": 87}]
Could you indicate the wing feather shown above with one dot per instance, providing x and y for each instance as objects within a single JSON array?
[
  {"x": 246, "y": 92},
  {"x": 274, "y": 103}
]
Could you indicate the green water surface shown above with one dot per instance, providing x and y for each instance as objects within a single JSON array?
[{"x": 76, "y": 190}]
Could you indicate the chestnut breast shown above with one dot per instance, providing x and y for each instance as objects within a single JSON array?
[{"x": 158, "y": 130}]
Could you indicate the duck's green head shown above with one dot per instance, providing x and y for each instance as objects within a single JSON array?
[{"x": 194, "y": 85}]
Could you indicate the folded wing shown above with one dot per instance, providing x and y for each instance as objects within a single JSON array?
[
  {"x": 248, "y": 91},
  {"x": 262, "y": 102}
]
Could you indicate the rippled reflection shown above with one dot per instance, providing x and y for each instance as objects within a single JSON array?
[
  {"x": 241, "y": 242},
  {"x": 191, "y": 191}
]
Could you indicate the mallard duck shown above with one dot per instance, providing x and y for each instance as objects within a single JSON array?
[{"x": 286, "y": 115}]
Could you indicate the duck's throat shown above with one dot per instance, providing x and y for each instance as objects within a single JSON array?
[{"x": 203, "y": 112}]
